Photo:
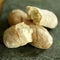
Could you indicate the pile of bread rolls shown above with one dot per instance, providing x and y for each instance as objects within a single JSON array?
[{"x": 30, "y": 28}]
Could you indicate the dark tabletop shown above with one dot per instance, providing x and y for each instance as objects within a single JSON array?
[{"x": 28, "y": 52}]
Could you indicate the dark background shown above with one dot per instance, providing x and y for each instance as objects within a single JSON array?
[{"x": 28, "y": 52}]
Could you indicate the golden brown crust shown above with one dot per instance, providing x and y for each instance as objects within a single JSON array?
[
  {"x": 41, "y": 38},
  {"x": 17, "y": 35},
  {"x": 17, "y": 16}
]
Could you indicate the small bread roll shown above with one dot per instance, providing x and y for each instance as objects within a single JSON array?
[
  {"x": 17, "y": 16},
  {"x": 17, "y": 35},
  {"x": 42, "y": 17},
  {"x": 41, "y": 37}
]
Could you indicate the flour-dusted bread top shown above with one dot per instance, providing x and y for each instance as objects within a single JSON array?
[
  {"x": 17, "y": 35},
  {"x": 41, "y": 37},
  {"x": 42, "y": 17}
]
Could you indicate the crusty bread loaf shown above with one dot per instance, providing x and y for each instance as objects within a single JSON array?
[{"x": 17, "y": 35}]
